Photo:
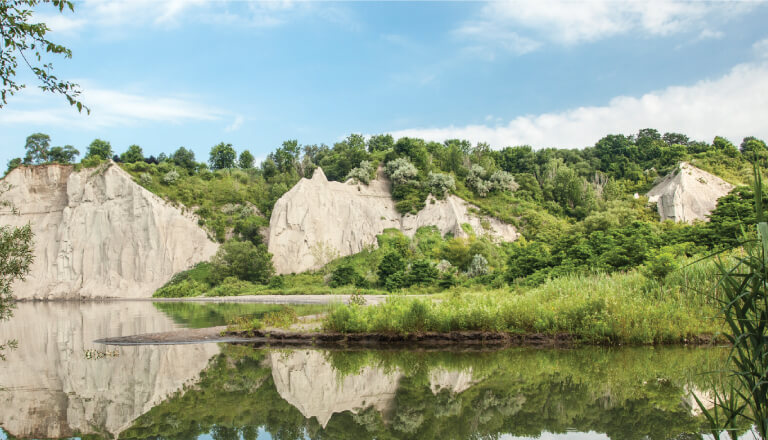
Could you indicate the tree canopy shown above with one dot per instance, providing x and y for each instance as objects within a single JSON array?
[{"x": 23, "y": 40}]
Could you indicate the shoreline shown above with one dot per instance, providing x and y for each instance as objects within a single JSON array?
[
  {"x": 257, "y": 299},
  {"x": 444, "y": 340}
]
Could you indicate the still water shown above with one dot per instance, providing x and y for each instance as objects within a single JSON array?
[{"x": 51, "y": 388}]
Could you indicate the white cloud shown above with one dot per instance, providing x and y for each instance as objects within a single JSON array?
[
  {"x": 235, "y": 125},
  {"x": 60, "y": 23},
  {"x": 109, "y": 108},
  {"x": 734, "y": 106},
  {"x": 709, "y": 34},
  {"x": 520, "y": 26},
  {"x": 761, "y": 48},
  {"x": 114, "y": 16}
]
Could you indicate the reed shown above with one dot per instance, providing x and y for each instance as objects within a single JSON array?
[{"x": 744, "y": 305}]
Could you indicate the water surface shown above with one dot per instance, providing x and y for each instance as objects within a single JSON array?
[{"x": 51, "y": 388}]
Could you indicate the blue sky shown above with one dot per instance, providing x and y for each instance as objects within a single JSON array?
[{"x": 170, "y": 73}]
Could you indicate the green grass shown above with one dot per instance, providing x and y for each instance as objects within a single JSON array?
[{"x": 617, "y": 308}]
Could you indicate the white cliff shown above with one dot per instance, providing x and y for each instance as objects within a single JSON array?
[
  {"x": 99, "y": 234},
  {"x": 688, "y": 194},
  {"x": 306, "y": 380},
  {"x": 49, "y": 389},
  {"x": 319, "y": 220}
]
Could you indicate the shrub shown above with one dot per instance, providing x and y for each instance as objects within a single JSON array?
[
  {"x": 277, "y": 282},
  {"x": 422, "y": 272},
  {"x": 476, "y": 181},
  {"x": 401, "y": 170},
  {"x": 343, "y": 276},
  {"x": 361, "y": 173},
  {"x": 181, "y": 289},
  {"x": 171, "y": 177},
  {"x": 440, "y": 184},
  {"x": 503, "y": 181},
  {"x": 243, "y": 260},
  {"x": 478, "y": 266},
  {"x": 282, "y": 318},
  {"x": 659, "y": 265},
  {"x": 395, "y": 281},
  {"x": 390, "y": 264},
  {"x": 145, "y": 179}
]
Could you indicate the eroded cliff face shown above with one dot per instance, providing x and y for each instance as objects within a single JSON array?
[
  {"x": 49, "y": 389},
  {"x": 688, "y": 194},
  {"x": 306, "y": 380},
  {"x": 319, "y": 220},
  {"x": 99, "y": 234}
]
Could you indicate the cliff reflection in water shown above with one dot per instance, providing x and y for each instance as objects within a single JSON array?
[
  {"x": 297, "y": 394},
  {"x": 50, "y": 389}
]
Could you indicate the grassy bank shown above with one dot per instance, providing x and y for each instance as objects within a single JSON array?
[{"x": 616, "y": 308}]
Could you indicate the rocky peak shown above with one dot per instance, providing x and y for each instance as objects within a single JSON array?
[{"x": 688, "y": 194}]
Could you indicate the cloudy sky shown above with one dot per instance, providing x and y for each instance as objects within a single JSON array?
[{"x": 171, "y": 73}]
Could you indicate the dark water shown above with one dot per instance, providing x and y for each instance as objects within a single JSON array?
[{"x": 51, "y": 388}]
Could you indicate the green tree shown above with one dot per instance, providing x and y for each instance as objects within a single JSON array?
[
  {"x": 244, "y": 260},
  {"x": 381, "y": 142},
  {"x": 37, "y": 148},
  {"x": 16, "y": 257},
  {"x": 246, "y": 160},
  {"x": 26, "y": 39},
  {"x": 133, "y": 154},
  {"x": 63, "y": 155},
  {"x": 345, "y": 155},
  {"x": 13, "y": 164},
  {"x": 391, "y": 263},
  {"x": 724, "y": 145},
  {"x": 99, "y": 148},
  {"x": 222, "y": 157},
  {"x": 753, "y": 149},
  {"x": 344, "y": 275},
  {"x": 184, "y": 158},
  {"x": 422, "y": 272}
]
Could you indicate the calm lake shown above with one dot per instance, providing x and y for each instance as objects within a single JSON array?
[{"x": 53, "y": 386}]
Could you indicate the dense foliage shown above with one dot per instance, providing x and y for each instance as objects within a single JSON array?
[{"x": 578, "y": 211}]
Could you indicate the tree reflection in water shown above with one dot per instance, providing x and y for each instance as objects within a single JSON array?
[{"x": 627, "y": 393}]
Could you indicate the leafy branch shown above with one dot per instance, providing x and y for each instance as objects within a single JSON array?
[{"x": 24, "y": 39}]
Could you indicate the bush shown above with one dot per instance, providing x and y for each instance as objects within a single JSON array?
[
  {"x": 145, "y": 179},
  {"x": 478, "y": 266},
  {"x": 401, "y": 170},
  {"x": 277, "y": 282},
  {"x": 395, "y": 281},
  {"x": 476, "y": 181},
  {"x": 659, "y": 265},
  {"x": 503, "y": 181},
  {"x": 171, "y": 177},
  {"x": 440, "y": 184},
  {"x": 422, "y": 272},
  {"x": 282, "y": 318},
  {"x": 361, "y": 173},
  {"x": 391, "y": 263},
  {"x": 344, "y": 276},
  {"x": 181, "y": 289},
  {"x": 243, "y": 260}
]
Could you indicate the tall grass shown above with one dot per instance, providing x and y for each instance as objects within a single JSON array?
[
  {"x": 598, "y": 308},
  {"x": 744, "y": 301}
]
